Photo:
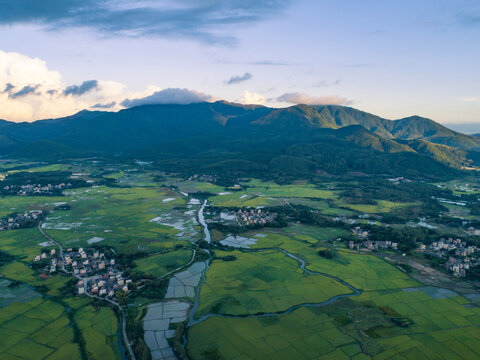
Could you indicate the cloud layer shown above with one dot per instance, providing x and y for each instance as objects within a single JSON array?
[
  {"x": 251, "y": 98},
  {"x": 301, "y": 98},
  {"x": 169, "y": 96},
  {"x": 32, "y": 91},
  {"x": 239, "y": 79},
  {"x": 208, "y": 21}
]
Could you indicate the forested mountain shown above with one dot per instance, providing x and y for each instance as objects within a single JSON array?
[{"x": 297, "y": 141}]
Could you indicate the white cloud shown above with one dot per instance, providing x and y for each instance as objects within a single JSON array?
[
  {"x": 29, "y": 90},
  {"x": 301, "y": 98},
  {"x": 170, "y": 96},
  {"x": 251, "y": 98}
]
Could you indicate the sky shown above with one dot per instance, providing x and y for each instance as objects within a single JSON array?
[{"x": 390, "y": 58}]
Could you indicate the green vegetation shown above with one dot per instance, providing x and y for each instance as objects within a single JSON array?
[
  {"x": 302, "y": 334},
  {"x": 38, "y": 329},
  {"x": 160, "y": 264},
  {"x": 363, "y": 271},
  {"x": 98, "y": 329},
  {"x": 122, "y": 218},
  {"x": 23, "y": 243},
  {"x": 261, "y": 282}
]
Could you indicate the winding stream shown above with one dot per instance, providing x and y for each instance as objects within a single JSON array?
[
  {"x": 302, "y": 264},
  {"x": 201, "y": 220},
  {"x": 355, "y": 292}
]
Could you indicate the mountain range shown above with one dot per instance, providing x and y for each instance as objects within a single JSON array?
[{"x": 293, "y": 142}]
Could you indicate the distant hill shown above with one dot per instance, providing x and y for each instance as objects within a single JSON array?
[{"x": 297, "y": 141}]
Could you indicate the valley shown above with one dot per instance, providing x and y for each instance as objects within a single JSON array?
[{"x": 290, "y": 286}]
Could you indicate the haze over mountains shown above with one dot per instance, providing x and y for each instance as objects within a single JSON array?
[{"x": 290, "y": 142}]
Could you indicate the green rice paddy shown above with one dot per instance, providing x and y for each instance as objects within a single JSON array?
[
  {"x": 262, "y": 282},
  {"x": 160, "y": 264},
  {"x": 38, "y": 329},
  {"x": 122, "y": 218}
]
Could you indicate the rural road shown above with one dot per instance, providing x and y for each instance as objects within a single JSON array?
[{"x": 124, "y": 322}]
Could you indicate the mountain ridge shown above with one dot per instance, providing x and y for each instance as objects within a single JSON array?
[{"x": 247, "y": 135}]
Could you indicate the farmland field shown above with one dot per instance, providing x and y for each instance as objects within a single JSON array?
[
  {"x": 160, "y": 264},
  {"x": 99, "y": 329},
  {"x": 267, "y": 281},
  {"x": 363, "y": 271},
  {"x": 38, "y": 329},
  {"x": 356, "y": 329},
  {"x": 24, "y": 243},
  {"x": 302, "y": 334},
  {"x": 129, "y": 219}
]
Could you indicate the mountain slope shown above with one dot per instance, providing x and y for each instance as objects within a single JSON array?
[
  {"x": 299, "y": 139},
  {"x": 414, "y": 127}
]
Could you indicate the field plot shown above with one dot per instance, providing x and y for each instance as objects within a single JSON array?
[
  {"x": 19, "y": 204},
  {"x": 38, "y": 329},
  {"x": 257, "y": 193},
  {"x": 365, "y": 272},
  {"x": 266, "y": 282},
  {"x": 23, "y": 243},
  {"x": 382, "y": 206},
  {"x": 412, "y": 323},
  {"x": 20, "y": 272},
  {"x": 257, "y": 187},
  {"x": 160, "y": 264},
  {"x": 243, "y": 199},
  {"x": 439, "y": 325},
  {"x": 327, "y": 207},
  {"x": 129, "y": 219},
  {"x": 19, "y": 293},
  {"x": 99, "y": 330},
  {"x": 301, "y": 334}
]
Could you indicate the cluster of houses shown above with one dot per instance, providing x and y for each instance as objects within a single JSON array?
[
  {"x": 103, "y": 284},
  {"x": 18, "y": 221},
  {"x": 254, "y": 217},
  {"x": 358, "y": 231},
  {"x": 97, "y": 275},
  {"x": 34, "y": 189},
  {"x": 373, "y": 245},
  {"x": 460, "y": 256},
  {"x": 51, "y": 265},
  {"x": 370, "y": 245}
]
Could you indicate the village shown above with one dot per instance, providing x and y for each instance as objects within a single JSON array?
[
  {"x": 254, "y": 217},
  {"x": 241, "y": 217},
  {"x": 34, "y": 189},
  {"x": 21, "y": 220},
  {"x": 459, "y": 256},
  {"x": 96, "y": 274}
]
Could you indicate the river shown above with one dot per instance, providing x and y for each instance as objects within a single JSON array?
[{"x": 201, "y": 220}]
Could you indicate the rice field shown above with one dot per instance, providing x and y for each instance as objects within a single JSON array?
[
  {"x": 302, "y": 334},
  {"x": 261, "y": 282},
  {"x": 38, "y": 329},
  {"x": 22, "y": 243},
  {"x": 160, "y": 264},
  {"x": 129, "y": 219},
  {"x": 363, "y": 271},
  {"x": 99, "y": 330}
]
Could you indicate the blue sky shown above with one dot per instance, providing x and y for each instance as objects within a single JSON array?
[{"x": 393, "y": 59}]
